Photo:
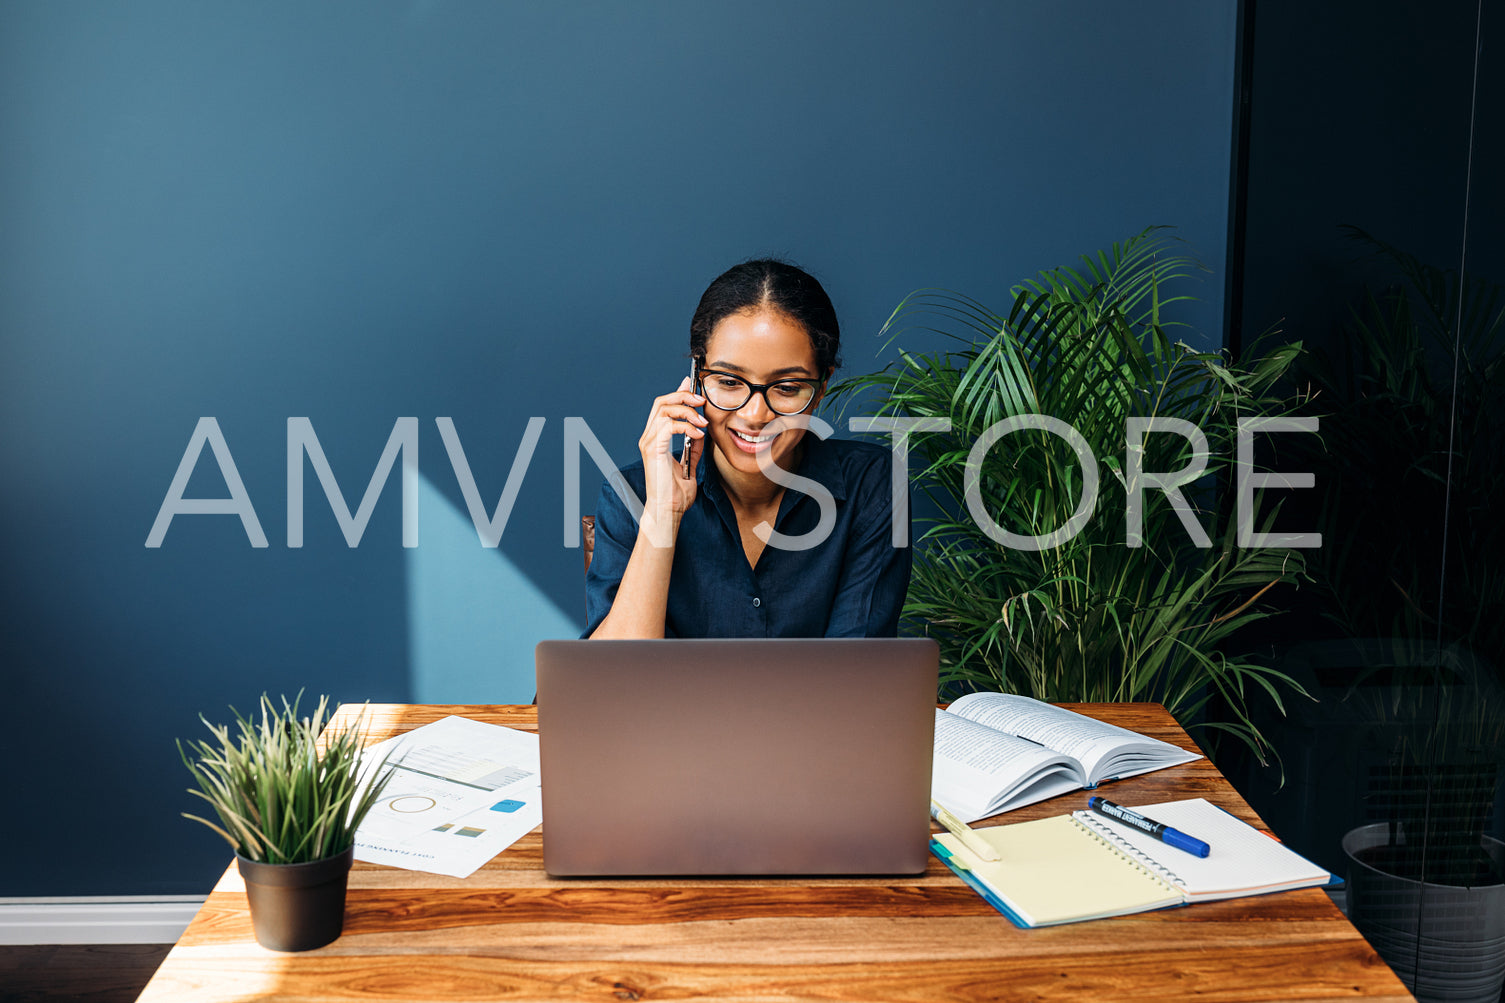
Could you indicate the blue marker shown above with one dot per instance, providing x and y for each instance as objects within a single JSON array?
[{"x": 1161, "y": 831}]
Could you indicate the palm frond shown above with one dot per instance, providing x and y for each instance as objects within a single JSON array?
[{"x": 1092, "y": 618}]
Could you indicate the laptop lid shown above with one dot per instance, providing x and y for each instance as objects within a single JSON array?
[{"x": 736, "y": 756}]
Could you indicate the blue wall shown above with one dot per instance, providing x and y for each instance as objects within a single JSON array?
[{"x": 359, "y": 211}]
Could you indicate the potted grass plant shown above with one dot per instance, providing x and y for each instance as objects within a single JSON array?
[
  {"x": 288, "y": 798},
  {"x": 1108, "y": 609}
]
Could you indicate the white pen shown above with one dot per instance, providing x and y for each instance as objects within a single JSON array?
[{"x": 970, "y": 839}]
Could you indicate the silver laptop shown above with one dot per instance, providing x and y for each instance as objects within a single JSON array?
[{"x": 770, "y": 756}]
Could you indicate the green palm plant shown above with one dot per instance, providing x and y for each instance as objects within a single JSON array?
[
  {"x": 1090, "y": 618},
  {"x": 1415, "y": 387},
  {"x": 281, "y": 794}
]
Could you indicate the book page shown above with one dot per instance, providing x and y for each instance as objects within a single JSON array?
[
  {"x": 1243, "y": 861},
  {"x": 1105, "y": 751},
  {"x": 977, "y": 771}
]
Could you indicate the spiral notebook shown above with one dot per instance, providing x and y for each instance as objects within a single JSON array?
[{"x": 1082, "y": 866}]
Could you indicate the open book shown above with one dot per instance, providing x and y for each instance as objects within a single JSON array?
[
  {"x": 1082, "y": 866},
  {"x": 999, "y": 751}
]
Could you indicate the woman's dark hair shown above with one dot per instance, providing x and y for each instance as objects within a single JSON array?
[{"x": 779, "y": 285}]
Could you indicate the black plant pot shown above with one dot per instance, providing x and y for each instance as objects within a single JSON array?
[
  {"x": 297, "y": 907},
  {"x": 1446, "y": 942}
]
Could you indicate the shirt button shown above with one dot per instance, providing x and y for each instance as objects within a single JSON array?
[{"x": 757, "y": 601}]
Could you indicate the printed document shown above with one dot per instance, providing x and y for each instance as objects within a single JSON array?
[{"x": 461, "y": 792}]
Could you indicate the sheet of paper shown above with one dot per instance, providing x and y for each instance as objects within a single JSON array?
[
  {"x": 461, "y": 792},
  {"x": 1244, "y": 861}
]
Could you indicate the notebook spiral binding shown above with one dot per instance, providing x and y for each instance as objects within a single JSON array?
[{"x": 1123, "y": 848}]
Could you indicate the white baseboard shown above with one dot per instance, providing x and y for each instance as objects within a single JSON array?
[{"x": 98, "y": 919}]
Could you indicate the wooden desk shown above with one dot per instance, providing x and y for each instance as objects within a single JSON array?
[{"x": 510, "y": 932}]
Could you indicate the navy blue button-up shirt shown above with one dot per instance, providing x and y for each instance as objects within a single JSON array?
[{"x": 851, "y": 585}]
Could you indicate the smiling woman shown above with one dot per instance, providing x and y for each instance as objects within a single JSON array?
[{"x": 764, "y": 527}]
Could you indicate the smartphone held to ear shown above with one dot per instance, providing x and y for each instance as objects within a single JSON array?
[{"x": 684, "y": 459}]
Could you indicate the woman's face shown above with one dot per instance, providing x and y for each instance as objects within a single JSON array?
[{"x": 761, "y": 346}]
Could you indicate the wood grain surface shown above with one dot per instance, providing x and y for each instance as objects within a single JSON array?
[{"x": 510, "y": 932}]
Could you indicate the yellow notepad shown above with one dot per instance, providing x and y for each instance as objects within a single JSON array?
[
  {"x": 1056, "y": 871},
  {"x": 1081, "y": 866}
]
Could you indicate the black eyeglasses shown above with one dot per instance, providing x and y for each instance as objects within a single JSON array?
[{"x": 731, "y": 393}]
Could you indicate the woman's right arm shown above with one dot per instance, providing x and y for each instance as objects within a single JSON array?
[{"x": 642, "y": 597}]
